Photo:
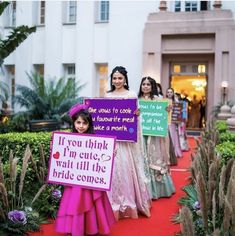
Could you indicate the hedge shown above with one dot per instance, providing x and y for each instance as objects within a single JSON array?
[{"x": 18, "y": 142}]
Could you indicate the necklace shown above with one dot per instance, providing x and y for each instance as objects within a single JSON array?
[{"x": 146, "y": 97}]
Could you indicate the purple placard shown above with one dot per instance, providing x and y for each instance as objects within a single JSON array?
[
  {"x": 81, "y": 159},
  {"x": 114, "y": 117}
]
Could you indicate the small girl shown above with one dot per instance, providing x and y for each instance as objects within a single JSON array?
[{"x": 83, "y": 211}]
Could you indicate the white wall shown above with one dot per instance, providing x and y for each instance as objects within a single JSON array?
[
  {"x": 119, "y": 42},
  {"x": 68, "y": 44},
  {"x": 85, "y": 68},
  {"x": 127, "y": 20},
  {"x": 53, "y": 39}
]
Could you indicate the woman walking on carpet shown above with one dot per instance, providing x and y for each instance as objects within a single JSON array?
[
  {"x": 157, "y": 148},
  {"x": 173, "y": 130},
  {"x": 129, "y": 193}
]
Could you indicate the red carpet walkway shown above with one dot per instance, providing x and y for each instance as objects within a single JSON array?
[{"x": 159, "y": 224}]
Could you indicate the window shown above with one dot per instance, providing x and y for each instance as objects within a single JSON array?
[
  {"x": 70, "y": 74},
  {"x": 204, "y": 5},
  {"x": 103, "y": 11},
  {"x": 201, "y": 69},
  {"x": 183, "y": 68},
  {"x": 39, "y": 69},
  {"x": 13, "y": 14},
  {"x": 190, "y": 6},
  {"x": 102, "y": 79},
  {"x": 188, "y": 68},
  {"x": 42, "y": 12},
  {"x": 72, "y": 12},
  {"x": 10, "y": 72},
  {"x": 195, "y": 69},
  {"x": 10, "y": 15},
  {"x": 177, "y": 6},
  {"x": 176, "y": 69}
]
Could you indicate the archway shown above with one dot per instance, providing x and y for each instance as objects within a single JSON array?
[{"x": 190, "y": 82}]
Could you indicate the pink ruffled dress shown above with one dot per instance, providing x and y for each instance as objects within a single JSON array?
[{"x": 84, "y": 211}]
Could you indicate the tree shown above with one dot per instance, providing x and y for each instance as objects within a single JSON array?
[
  {"x": 47, "y": 99},
  {"x": 15, "y": 38},
  {"x": 8, "y": 45}
]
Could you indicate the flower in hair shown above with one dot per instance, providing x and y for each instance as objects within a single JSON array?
[{"x": 76, "y": 108}]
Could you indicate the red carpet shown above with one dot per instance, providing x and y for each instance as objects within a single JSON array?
[{"x": 159, "y": 224}]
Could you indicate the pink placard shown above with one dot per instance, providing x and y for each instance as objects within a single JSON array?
[{"x": 81, "y": 159}]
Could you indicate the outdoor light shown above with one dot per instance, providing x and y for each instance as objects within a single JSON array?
[{"x": 224, "y": 86}]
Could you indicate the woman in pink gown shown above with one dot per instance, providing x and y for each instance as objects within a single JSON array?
[
  {"x": 129, "y": 194},
  {"x": 83, "y": 211}
]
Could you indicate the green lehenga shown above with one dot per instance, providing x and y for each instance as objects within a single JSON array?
[{"x": 157, "y": 166}]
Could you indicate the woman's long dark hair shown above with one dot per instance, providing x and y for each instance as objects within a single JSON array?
[
  {"x": 173, "y": 96},
  {"x": 86, "y": 116},
  {"x": 160, "y": 88},
  {"x": 121, "y": 70},
  {"x": 153, "y": 87}
]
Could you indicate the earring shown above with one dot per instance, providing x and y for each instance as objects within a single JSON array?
[{"x": 125, "y": 84}]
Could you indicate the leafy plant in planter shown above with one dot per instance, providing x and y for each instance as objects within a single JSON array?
[
  {"x": 16, "y": 215},
  {"x": 16, "y": 123},
  {"x": 227, "y": 137},
  {"x": 48, "y": 195},
  {"x": 221, "y": 126},
  {"x": 47, "y": 99},
  {"x": 226, "y": 151},
  {"x": 190, "y": 203},
  {"x": 213, "y": 185}
]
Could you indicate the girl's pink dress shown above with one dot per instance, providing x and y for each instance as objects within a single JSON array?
[{"x": 84, "y": 211}]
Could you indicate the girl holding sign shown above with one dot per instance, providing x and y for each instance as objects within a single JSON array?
[
  {"x": 157, "y": 149},
  {"x": 129, "y": 192},
  {"x": 83, "y": 211}
]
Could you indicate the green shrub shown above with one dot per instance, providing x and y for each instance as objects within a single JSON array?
[
  {"x": 4, "y": 128},
  {"x": 25, "y": 202},
  {"x": 227, "y": 137},
  {"x": 15, "y": 123},
  {"x": 226, "y": 151},
  {"x": 18, "y": 142},
  {"x": 221, "y": 126},
  {"x": 18, "y": 122},
  {"x": 43, "y": 205}
]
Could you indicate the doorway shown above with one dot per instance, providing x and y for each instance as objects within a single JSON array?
[{"x": 190, "y": 82}]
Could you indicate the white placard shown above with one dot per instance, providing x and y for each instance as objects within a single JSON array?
[{"x": 81, "y": 159}]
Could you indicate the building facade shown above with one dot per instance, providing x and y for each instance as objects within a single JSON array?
[{"x": 184, "y": 44}]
